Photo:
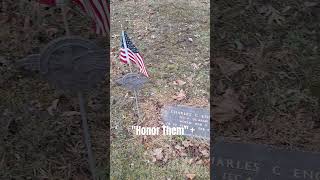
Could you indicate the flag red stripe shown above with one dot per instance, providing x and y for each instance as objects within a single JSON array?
[
  {"x": 133, "y": 57},
  {"x": 96, "y": 6},
  {"x": 98, "y": 10}
]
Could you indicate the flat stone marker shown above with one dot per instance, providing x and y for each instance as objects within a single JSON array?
[
  {"x": 195, "y": 121},
  {"x": 236, "y": 161}
]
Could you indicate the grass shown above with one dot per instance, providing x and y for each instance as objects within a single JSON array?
[
  {"x": 138, "y": 167},
  {"x": 33, "y": 143},
  {"x": 281, "y": 69}
]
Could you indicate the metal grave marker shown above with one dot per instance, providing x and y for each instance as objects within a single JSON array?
[
  {"x": 70, "y": 63},
  {"x": 75, "y": 65},
  {"x": 195, "y": 121},
  {"x": 132, "y": 81},
  {"x": 236, "y": 161}
]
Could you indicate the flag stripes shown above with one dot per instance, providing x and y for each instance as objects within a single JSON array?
[
  {"x": 97, "y": 10},
  {"x": 130, "y": 54}
]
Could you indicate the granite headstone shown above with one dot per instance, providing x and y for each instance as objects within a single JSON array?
[
  {"x": 236, "y": 161},
  {"x": 195, "y": 121}
]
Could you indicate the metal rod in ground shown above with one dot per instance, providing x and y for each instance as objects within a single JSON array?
[
  {"x": 83, "y": 112},
  {"x": 130, "y": 64},
  {"x": 137, "y": 105},
  {"x": 87, "y": 135},
  {"x": 136, "y": 98}
]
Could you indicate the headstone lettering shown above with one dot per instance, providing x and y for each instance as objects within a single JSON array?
[
  {"x": 195, "y": 121},
  {"x": 261, "y": 162}
]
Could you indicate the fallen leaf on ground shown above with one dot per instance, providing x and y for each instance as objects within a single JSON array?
[
  {"x": 179, "y": 147},
  {"x": 157, "y": 153},
  {"x": 51, "y": 31},
  {"x": 183, "y": 154},
  {"x": 190, "y": 161},
  {"x": 227, "y": 107},
  {"x": 272, "y": 14},
  {"x": 180, "y": 96},
  {"x": 190, "y": 176},
  {"x": 205, "y": 152},
  {"x": 199, "y": 162},
  {"x": 186, "y": 143},
  {"x": 53, "y": 107},
  {"x": 228, "y": 68},
  {"x": 179, "y": 82}
]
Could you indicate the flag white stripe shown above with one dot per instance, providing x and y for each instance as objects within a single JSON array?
[
  {"x": 143, "y": 66},
  {"x": 130, "y": 56},
  {"x": 106, "y": 10},
  {"x": 135, "y": 56},
  {"x": 97, "y": 20},
  {"x": 91, "y": 12}
]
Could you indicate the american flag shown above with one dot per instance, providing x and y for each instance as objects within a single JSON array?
[
  {"x": 97, "y": 10},
  {"x": 129, "y": 53}
]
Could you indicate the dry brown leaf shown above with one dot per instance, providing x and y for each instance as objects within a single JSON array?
[
  {"x": 186, "y": 143},
  {"x": 53, "y": 107},
  {"x": 200, "y": 162},
  {"x": 183, "y": 154},
  {"x": 228, "y": 68},
  {"x": 51, "y": 31},
  {"x": 179, "y": 147},
  {"x": 273, "y": 15},
  {"x": 205, "y": 153},
  {"x": 157, "y": 153},
  {"x": 70, "y": 113},
  {"x": 190, "y": 176},
  {"x": 179, "y": 82},
  {"x": 180, "y": 96},
  {"x": 153, "y": 159},
  {"x": 227, "y": 107}
]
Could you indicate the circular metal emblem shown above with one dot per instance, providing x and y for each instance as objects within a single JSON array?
[
  {"x": 132, "y": 81},
  {"x": 73, "y": 63}
]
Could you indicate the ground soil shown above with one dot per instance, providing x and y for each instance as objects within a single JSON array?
[
  {"x": 37, "y": 142},
  {"x": 266, "y": 72}
]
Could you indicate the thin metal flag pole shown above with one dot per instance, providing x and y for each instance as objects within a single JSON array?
[
  {"x": 83, "y": 112},
  {"x": 134, "y": 91},
  {"x": 87, "y": 138}
]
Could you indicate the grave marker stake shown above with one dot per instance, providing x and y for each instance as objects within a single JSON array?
[
  {"x": 87, "y": 138},
  {"x": 83, "y": 112},
  {"x": 134, "y": 91}
]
